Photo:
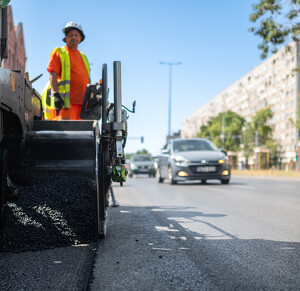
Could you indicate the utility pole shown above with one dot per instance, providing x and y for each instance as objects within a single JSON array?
[{"x": 170, "y": 92}]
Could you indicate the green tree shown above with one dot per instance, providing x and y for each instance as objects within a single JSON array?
[
  {"x": 275, "y": 153},
  {"x": 233, "y": 124},
  {"x": 248, "y": 142},
  {"x": 4, "y": 3},
  {"x": 259, "y": 124},
  {"x": 143, "y": 151},
  {"x": 129, "y": 155},
  {"x": 298, "y": 123},
  {"x": 277, "y": 22}
]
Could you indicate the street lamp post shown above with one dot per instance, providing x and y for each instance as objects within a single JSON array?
[{"x": 170, "y": 92}]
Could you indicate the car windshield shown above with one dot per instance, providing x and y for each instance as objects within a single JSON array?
[
  {"x": 193, "y": 145},
  {"x": 141, "y": 159}
]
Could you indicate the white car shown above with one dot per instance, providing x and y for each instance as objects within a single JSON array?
[{"x": 193, "y": 159}]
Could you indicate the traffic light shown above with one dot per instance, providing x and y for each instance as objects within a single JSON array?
[{"x": 142, "y": 139}]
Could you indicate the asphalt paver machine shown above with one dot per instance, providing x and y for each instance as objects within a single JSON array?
[
  {"x": 93, "y": 146},
  {"x": 31, "y": 145}
]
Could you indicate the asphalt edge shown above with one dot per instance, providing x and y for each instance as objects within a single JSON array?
[{"x": 81, "y": 277}]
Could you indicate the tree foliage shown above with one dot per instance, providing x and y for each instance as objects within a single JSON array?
[
  {"x": 233, "y": 124},
  {"x": 275, "y": 153},
  {"x": 298, "y": 124},
  {"x": 237, "y": 131},
  {"x": 143, "y": 151},
  {"x": 259, "y": 133},
  {"x": 277, "y": 21},
  {"x": 248, "y": 141},
  {"x": 4, "y": 3},
  {"x": 260, "y": 123}
]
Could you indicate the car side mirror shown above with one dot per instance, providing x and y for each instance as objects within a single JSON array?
[
  {"x": 223, "y": 150},
  {"x": 165, "y": 151}
]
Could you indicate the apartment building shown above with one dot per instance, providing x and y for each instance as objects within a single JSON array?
[{"x": 273, "y": 84}]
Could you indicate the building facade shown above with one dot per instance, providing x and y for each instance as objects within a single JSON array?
[
  {"x": 16, "y": 58},
  {"x": 273, "y": 83}
]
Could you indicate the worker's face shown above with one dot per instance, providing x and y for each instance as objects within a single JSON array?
[{"x": 73, "y": 38}]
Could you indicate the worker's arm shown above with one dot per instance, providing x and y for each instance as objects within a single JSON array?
[
  {"x": 53, "y": 82},
  {"x": 58, "y": 101}
]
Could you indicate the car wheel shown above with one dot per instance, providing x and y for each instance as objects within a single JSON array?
[
  {"x": 225, "y": 181},
  {"x": 171, "y": 178},
  {"x": 203, "y": 181},
  {"x": 160, "y": 179}
]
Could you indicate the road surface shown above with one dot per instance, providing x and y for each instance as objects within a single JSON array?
[{"x": 242, "y": 236}]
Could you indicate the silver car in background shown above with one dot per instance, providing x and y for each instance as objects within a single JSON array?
[
  {"x": 141, "y": 164},
  {"x": 192, "y": 159}
]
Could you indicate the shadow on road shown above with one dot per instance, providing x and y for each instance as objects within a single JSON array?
[{"x": 228, "y": 262}]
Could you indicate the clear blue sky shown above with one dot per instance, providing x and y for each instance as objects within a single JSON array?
[{"x": 210, "y": 38}]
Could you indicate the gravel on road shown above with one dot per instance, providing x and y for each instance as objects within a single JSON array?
[{"x": 57, "y": 211}]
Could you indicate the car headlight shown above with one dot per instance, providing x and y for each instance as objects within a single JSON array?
[
  {"x": 133, "y": 167},
  {"x": 179, "y": 161},
  {"x": 224, "y": 160}
]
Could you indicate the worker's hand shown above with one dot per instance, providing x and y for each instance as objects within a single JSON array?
[{"x": 58, "y": 102}]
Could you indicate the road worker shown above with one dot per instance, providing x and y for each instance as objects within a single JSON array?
[{"x": 69, "y": 75}]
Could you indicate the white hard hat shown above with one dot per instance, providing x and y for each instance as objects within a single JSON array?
[{"x": 73, "y": 25}]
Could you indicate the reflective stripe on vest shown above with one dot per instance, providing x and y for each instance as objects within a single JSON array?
[{"x": 48, "y": 111}]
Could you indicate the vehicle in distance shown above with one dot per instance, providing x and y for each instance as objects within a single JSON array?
[
  {"x": 141, "y": 164},
  {"x": 192, "y": 159}
]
